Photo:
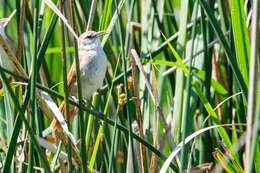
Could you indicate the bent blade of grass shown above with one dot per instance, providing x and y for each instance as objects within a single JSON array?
[
  {"x": 187, "y": 140},
  {"x": 57, "y": 11},
  {"x": 204, "y": 100},
  {"x": 223, "y": 160},
  {"x": 54, "y": 108}
]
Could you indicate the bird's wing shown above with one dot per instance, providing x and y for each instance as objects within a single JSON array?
[{"x": 71, "y": 76}]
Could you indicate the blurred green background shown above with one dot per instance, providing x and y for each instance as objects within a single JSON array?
[{"x": 196, "y": 56}]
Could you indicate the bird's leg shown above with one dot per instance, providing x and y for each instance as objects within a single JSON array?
[
  {"x": 98, "y": 122},
  {"x": 84, "y": 102},
  {"x": 74, "y": 99},
  {"x": 88, "y": 103}
]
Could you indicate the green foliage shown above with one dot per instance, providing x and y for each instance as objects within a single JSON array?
[{"x": 121, "y": 129}]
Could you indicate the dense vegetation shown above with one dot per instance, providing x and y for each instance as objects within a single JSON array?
[{"x": 179, "y": 72}]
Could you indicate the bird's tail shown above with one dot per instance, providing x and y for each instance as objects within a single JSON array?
[{"x": 72, "y": 112}]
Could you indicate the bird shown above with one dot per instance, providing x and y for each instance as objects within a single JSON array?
[
  {"x": 93, "y": 65},
  {"x": 5, "y": 61}
]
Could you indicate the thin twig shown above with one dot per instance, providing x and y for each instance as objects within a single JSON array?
[
  {"x": 154, "y": 98},
  {"x": 153, "y": 167},
  {"x": 134, "y": 26}
]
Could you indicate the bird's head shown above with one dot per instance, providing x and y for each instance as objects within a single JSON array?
[{"x": 90, "y": 40}]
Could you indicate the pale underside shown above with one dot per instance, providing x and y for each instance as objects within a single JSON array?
[{"x": 92, "y": 70}]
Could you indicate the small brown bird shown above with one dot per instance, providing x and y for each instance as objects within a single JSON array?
[
  {"x": 93, "y": 65},
  {"x": 6, "y": 62}
]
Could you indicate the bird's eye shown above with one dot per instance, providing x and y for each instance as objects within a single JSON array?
[{"x": 89, "y": 36}]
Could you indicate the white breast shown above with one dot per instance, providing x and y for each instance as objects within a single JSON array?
[{"x": 93, "y": 70}]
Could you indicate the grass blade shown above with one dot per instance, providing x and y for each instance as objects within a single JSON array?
[
  {"x": 241, "y": 37},
  {"x": 204, "y": 100},
  {"x": 230, "y": 55}
]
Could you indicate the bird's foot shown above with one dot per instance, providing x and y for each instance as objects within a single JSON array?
[{"x": 88, "y": 103}]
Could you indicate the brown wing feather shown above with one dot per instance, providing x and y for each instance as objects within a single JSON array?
[
  {"x": 55, "y": 123},
  {"x": 72, "y": 112},
  {"x": 72, "y": 75},
  {"x": 72, "y": 109}
]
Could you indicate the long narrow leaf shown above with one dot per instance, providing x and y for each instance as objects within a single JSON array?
[
  {"x": 230, "y": 55},
  {"x": 206, "y": 103},
  {"x": 241, "y": 37}
]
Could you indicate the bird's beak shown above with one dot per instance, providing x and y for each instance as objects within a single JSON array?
[{"x": 100, "y": 33}]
